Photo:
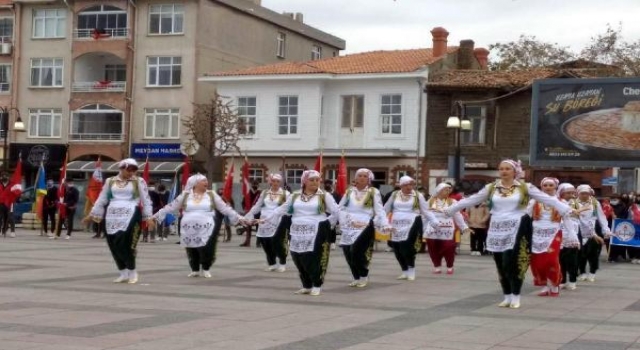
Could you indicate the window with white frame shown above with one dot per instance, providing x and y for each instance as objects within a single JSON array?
[
  {"x": 115, "y": 72},
  {"x": 287, "y": 115},
  {"x": 316, "y": 52},
  {"x": 5, "y": 77},
  {"x": 478, "y": 117},
  {"x": 44, "y": 122},
  {"x": 352, "y": 111},
  {"x": 166, "y": 19},
  {"x": 256, "y": 174},
  {"x": 46, "y": 72},
  {"x": 164, "y": 71},
  {"x": 162, "y": 123},
  {"x": 49, "y": 23},
  {"x": 103, "y": 19},
  {"x": 294, "y": 176},
  {"x": 401, "y": 173},
  {"x": 6, "y": 29},
  {"x": 97, "y": 122},
  {"x": 281, "y": 44},
  {"x": 247, "y": 115},
  {"x": 391, "y": 114},
  {"x": 331, "y": 174}
]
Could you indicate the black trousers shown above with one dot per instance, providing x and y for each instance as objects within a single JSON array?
[
  {"x": 276, "y": 245},
  {"x": 512, "y": 264},
  {"x": 4, "y": 218},
  {"x": 312, "y": 266},
  {"x": 569, "y": 264},
  {"x": 49, "y": 214},
  {"x": 589, "y": 253},
  {"x": 358, "y": 254},
  {"x": 405, "y": 251},
  {"x": 123, "y": 244},
  {"x": 203, "y": 256},
  {"x": 70, "y": 214},
  {"x": 478, "y": 239}
]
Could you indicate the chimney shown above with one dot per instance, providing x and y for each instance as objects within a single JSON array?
[
  {"x": 288, "y": 14},
  {"x": 465, "y": 54},
  {"x": 299, "y": 17},
  {"x": 482, "y": 55},
  {"x": 439, "y": 35}
]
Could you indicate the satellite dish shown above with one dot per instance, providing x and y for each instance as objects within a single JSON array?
[{"x": 189, "y": 148}]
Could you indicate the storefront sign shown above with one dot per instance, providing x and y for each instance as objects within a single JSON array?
[
  {"x": 156, "y": 150},
  {"x": 586, "y": 122}
]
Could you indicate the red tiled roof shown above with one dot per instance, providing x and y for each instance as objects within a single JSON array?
[
  {"x": 398, "y": 61},
  {"x": 458, "y": 78}
]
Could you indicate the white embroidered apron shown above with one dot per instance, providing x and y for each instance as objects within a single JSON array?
[
  {"x": 303, "y": 234},
  {"x": 502, "y": 233},
  {"x": 267, "y": 228},
  {"x": 195, "y": 228},
  {"x": 401, "y": 221},
  {"x": 349, "y": 232},
  {"x": 119, "y": 215},
  {"x": 444, "y": 230},
  {"x": 543, "y": 234}
]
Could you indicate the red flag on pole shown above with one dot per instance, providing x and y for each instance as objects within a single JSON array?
[
  {"x": 145, "y": 173},
  {"x": 318, "y": 166},
  {"x": 227, "y": 191},
  {"x": 185, "y": 172},
  {"x": 246, "y": 185},
  {"x": 95, "y": 183},
  {"x": 341, "y": 182},
  {"x": 14, "y": 189},
  {"x": 62, "y": 213}
]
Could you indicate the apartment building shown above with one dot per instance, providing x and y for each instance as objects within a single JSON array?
[{"x": 111, "y": 77}]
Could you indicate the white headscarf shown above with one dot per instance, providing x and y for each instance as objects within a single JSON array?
[
  {"x": 405, "y": 180},
  {"x": 275, "y": 177},
  {"x": 564, "y": 187},
  {"x": 307, "y": 174},
  {"x": 585, "y": 188},
  {"x": 517, "y": 166},
  {"x": 193, "y": 180},
  {"x": 442, "y": 186},
  {"x": 366, "y": 171},
  {"x": 127, "y": 162},
  {"x": 553, "y": 180}
]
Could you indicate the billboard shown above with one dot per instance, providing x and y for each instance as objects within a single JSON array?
[{"x": 586, "y": 122}]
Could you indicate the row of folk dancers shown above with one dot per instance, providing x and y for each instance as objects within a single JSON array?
[{"x": 554, "y": 231}]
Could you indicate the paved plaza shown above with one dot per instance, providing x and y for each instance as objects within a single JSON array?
[{"x": 58, "y": 295}]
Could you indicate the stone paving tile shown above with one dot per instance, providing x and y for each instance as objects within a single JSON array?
[{"x": 595, "y": 345}]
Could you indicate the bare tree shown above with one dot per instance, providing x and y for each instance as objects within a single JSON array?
[
  {"x": 215, "y": 126},
  {"x": 610, "y": 48},
  {"x": 528, "y": 52}
]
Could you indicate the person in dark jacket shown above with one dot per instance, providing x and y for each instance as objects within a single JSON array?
[
  {"x": 70, "y": 201},
  {"x": 49, "y": 208}
]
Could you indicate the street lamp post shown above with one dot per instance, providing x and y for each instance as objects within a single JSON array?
[
  {"x": 18, "y": 125},
  {"x": 458, "y": 122}
]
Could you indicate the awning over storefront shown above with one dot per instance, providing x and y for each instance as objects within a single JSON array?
[{"x": 154, "y": 167}]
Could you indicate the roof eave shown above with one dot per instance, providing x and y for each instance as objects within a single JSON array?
[{"x": 321, "y": 76}]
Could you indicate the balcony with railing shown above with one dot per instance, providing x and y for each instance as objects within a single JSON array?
[
  {"x": 100, "y": 33},
  {"x": 97, "y": 122},
  {"x": 99, "y": 86},
  {"x": 99, "y": 72}
]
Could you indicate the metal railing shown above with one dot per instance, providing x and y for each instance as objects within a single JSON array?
[
  {"x": 101, "y": 34},
  {"x": 96, "y": 137},
  {"x": 99, "y": 86}
]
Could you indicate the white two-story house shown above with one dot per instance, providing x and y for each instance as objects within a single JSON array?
[{"x": 368, "y": 106}]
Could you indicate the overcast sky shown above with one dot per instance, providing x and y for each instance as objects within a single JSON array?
[{"x": 386, "y": 24}]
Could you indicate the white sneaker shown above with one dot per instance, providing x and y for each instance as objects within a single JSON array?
[
  {"x": 402, "y": 277},
  {"x": 571, "y": 286},
  {"x": 363, "y": 282},
  {"x": 12, "y": 235},
  {"x": 124, "y": 277},
  {"x": 582, "y": 277},
  {"x": 50, "y": 235},
  {"x": 353, "y": 283},
  {"x": 193, "y": 274},
  {"x": 315, "y": 291},
  {"x": 206, "y": 274},
  {"x": 302, "y": 291},
  {"x": 506, "y": 302},
  {"x": 67, "y": 237},
  {"x": 388, "y": 249},
  {"x": 271, "y": 268},
  {"x": 333, "y": 246},
  {"x": 591, "y": 277},
  {"x": 133, "y": 277},
  {"x": 281, "y": 268}
]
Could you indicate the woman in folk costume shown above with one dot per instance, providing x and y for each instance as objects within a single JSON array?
[
  {"x": 570, "y": 241},
  {"x": 360, "y": 210},
  {"x": 546, "y": 241},
  {"x": 440, "y": 239},
  {"x": 272, "y": 238},
  {"x": 310, "y": 229},
  {"x": 406, "y": 207},
  {"x": 125, "y": 198},
  {"x": 591, "y": 236},
  {"x": 510, "y": 228},
  {"x": 198, "y": 229}
]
